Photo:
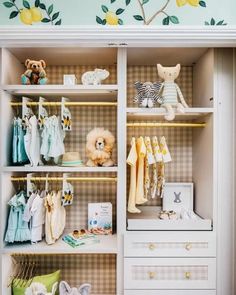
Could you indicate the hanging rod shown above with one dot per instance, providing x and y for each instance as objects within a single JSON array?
[
  {"x": 193, "y": 125},
  {"x": 108, "y": 179},
  {"x": 69, "y": 103}
]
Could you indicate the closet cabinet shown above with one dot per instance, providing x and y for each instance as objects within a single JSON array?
[{"x": 144, "y": 255}]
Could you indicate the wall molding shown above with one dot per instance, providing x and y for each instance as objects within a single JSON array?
[{"x": 115, "y": 36}]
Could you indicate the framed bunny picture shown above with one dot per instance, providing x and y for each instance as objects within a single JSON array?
[{"x": 178, "y": 196}]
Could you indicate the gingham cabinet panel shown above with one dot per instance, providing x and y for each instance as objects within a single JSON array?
[
  {"x": 170, "y": 245},
  {"x": 169, "y": 273},
  {"x": 170, "y": 292}
]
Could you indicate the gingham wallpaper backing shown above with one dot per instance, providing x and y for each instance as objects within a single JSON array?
[
  {"x": 98, "y": 270},
  {"x": 149, "y": 73},
  {"x": 55, "y": 73},
  {"x": 169, "y": 273}
]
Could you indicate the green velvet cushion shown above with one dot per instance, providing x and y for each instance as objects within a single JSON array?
[{"x": 20, "y": 285}]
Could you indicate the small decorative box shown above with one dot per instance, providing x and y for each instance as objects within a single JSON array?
[{"x": 69, "y": 80}]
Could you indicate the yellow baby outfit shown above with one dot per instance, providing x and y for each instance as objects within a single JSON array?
[
  {"x": 141, "y": 150},
  {"x": 132, "y": 161}
]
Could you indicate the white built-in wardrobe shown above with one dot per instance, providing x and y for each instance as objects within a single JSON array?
[{"x": 144, "y": 255}]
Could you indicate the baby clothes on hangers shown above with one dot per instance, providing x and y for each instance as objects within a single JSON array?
[
  {"x": 55, "y": 217},
  {"x": 17, "y": 229},
  {"x": 52, "y": 139},
  {"x": 37, "y": 212},
  {"x": 149, "y": 160},
  {"x": 19, "y": 155},
  {"x": 32, "y": 141},
  {"x": 132, "y": 161},
  {"x": 141, "y": 150}
]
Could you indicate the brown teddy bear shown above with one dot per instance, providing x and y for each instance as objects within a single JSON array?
[{"x": 35, "y": 73}]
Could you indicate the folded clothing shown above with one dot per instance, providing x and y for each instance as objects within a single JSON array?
[{"x": 86, "y": 239}]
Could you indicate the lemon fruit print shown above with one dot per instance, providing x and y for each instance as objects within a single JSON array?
[{"x": 33, "y": 13}]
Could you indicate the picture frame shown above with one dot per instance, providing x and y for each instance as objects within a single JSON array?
[{"x": 178, "y": 196}]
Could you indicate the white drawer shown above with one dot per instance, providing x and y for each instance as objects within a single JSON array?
[
  {"x": 170, "y": 292},
  {"x": 170, "y": 244},
  {"x": 169, "y": 273}
]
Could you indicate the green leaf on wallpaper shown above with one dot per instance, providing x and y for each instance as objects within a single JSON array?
[
  {"x": 138, "y": 17},
  {"x": 104, "y": 22},
  {"x": 120, "y": 21},
  {"x": 58, "y": 23},
  {"x": 166, "y": 21},
  {"x": 26, "y": 4},
  {"x": 55, "y": 15},
  {"x": 202, "y": 3},
  {"x": 112, "y": 1},
  {"x": 174, "y": 19},
  {"x": 8, "y": 4},
  {"x": 13, "y": 14},
  {"x": 99, "y": 20},
  {"x": 45, "y": 20},
  {"x": 145, "y": 1},
  {"x": 104, "y": 8},
  {"x": 42, "y": 6},
  {"x": 127, "y": 2},
  {"x": 36, "y": 3},
  {"x": 213, "y": 22},
  {"x": 50, "y": 9},
  {"x": 207, "y": 24},
  {"x": 119, "y": 11}
]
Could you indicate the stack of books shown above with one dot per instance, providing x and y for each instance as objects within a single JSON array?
[{"x": 84, "y": 240}]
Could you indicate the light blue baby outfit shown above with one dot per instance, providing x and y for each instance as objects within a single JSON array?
[
  {"x": 17, "y": 229},
  {"x": 18, "y": 147}
]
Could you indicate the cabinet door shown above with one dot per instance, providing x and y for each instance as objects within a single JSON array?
[
  {"x": 170, "y": 273},
  {"x": 171, "y": 245}
]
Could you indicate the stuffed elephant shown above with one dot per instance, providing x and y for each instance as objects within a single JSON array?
[
  {"x": 40, "y": 289},
  {"x": 65, "y": 289}
]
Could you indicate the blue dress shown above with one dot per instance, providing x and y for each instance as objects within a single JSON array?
[{"x": 17, "y": 229}]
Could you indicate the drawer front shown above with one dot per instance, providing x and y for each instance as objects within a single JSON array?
[
  {"x": 170, "y": 292},
  {"x": 170, "y": 244},
  {"x": 170, "y": 273}
]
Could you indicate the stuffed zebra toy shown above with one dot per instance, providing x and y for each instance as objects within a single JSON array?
[{"x": 148, "y": 94}]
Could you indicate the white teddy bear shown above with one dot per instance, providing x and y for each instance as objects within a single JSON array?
[
  {"x": 94, "y": 77},
  {"x": 40, "y": 289},
  {"x": 170, "y": 91},
  {"x": 65, "y": 289}
]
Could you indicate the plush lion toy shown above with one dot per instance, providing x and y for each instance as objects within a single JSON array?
[{"x": 100, "y": 143}]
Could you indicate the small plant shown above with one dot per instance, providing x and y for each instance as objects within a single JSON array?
[{"x": 38, "y": 12}]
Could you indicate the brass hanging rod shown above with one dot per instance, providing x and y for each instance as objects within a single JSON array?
[
  {"x": 36, "y": 179},
  {"x": 69, "y": 103},
  {"x": 192, "y": 125}
]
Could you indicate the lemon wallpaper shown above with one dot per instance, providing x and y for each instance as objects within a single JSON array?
[{"x": 117, "y": 12}]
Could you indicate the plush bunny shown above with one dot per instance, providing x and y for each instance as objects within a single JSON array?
[
  {"x": 170, "y": 91},
  {"x": 40, "y": 289},
  {"x": 148, "y": 94},
  {"x": 65, "y": 289}
]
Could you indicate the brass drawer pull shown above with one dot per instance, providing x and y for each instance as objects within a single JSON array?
[
  {"x": 188, "y": 275},
  {"x": 152, "y": 246},
  {"x": 188, "y": 246},
  {"x": 152, "y": 275}
]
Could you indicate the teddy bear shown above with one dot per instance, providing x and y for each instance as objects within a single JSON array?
[
  {"x": 65, "y": 289},
  {"x": 99, "y": 146},
  {"x": 35, "y": 73},
  {"x": 148, "y": 94},
  {"x": 170, "y": 91},
  {"x": 40, "y": 289},
  {"x": 94, "y": 77}
]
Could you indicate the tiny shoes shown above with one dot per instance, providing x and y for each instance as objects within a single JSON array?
[{"x": 168, "y": 215}]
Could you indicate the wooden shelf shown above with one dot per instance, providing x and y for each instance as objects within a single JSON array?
[
  {"x": 107, "y": 245},
  {"x": 58, "y": 169},
  {"x": 146, "y": 113},
  {"x": 47, "y": 90},
  {"x": 148, "y": 220}
]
